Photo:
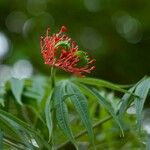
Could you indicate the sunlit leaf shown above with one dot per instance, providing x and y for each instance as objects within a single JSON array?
[
  {"x": 128, "y": 98},
  {"x": 142, "y": 91},
  {"x": 126, "y": 101},
  {"x": 17, "y": 89},
  {"x": 37, "y": 88},
  {"x": 2, "y": 92}
]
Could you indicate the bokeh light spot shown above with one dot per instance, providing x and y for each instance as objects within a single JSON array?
[
  {"x": 15, "y": 21},
  {"x": 4, "y": 45},
  {"x": 90, "y": 39},
  {"x": 22, "y": 69},
  {"x": 128, "y": 27},
  {"x": 92, "y": 5}
]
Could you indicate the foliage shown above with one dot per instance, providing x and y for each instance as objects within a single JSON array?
[{"x": 34, "y": 115}]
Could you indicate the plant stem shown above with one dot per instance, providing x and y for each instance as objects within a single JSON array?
[
  {"x": 53, "y": 114},
  {"x": 97, "y": 124},
  {"x": 52, "y": 77}
]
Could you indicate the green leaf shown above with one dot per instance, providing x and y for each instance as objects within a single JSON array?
[
  {"x": 142, "y": 91},
  {"x": 100, "y": 83},
  {"x": 126, "y": 100},
  {"x": 61, "y": 110},
  {"x": 37, "y": 89},
  {"x": 147, "y": 142},
  {"x": 17, "y": 89},
  {"x": 80, "y": 103},
  {"x": 102, "y": 101},
  {"x": 16, "y": 120},
  {"x": 2, "y": 93},
  {"x": 2, "y": 101},
  {"x": 49, "y": 116},
  {"x": 9, "y": 128},
  {"x": 17, "y": 127}
]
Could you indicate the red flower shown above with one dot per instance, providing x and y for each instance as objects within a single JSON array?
[{"x": 60, "y": 51}]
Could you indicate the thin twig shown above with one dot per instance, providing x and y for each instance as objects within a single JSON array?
[{"x": 97, "y": 124}]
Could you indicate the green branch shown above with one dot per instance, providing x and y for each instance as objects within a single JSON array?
[{"x": 97, "y": 124}]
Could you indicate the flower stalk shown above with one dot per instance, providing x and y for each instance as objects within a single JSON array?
[
  {"x": 51, "y": 141},
  {"x": 52, "y": 77}
]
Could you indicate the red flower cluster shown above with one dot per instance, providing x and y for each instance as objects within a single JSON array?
[{"x": 60, "y": 51}]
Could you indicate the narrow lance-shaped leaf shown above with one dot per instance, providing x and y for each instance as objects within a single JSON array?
[
  {"x": 102, "y": 101},
  {"x": 127, "y": 99},
  {"x": 16, "y": 120},
  {"x": 48, "y": 115},
  {"x": 100, "y": 83},
  {"x": 8, "y": 129},
  {"x": 142, "y": 91},
  {"x": 61, "y": 110},
  {"x": 17, "y": 89},
  {"x": 80, "y": 103},
  {"x": 2, "y": 93},
  {"x": 16, "y": 129}
]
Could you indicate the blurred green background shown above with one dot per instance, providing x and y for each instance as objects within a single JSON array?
[{"x": 115, "y": 32}]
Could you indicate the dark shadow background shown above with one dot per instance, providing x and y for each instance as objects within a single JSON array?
[{"x": 115, "y": 32}]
